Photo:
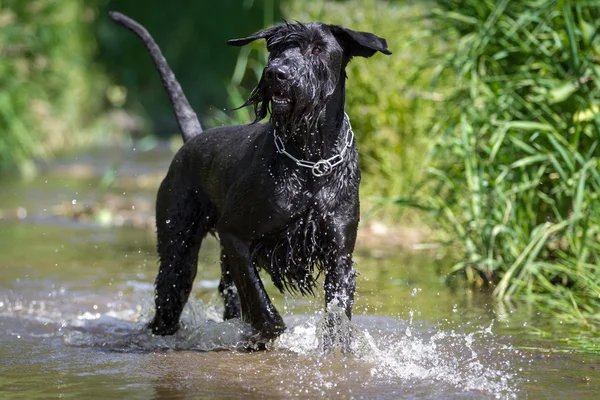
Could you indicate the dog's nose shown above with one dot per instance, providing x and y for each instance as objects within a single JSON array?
[{"x": 277, "y": 72}]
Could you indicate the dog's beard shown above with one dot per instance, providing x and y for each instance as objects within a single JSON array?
[{"x": 298, "y": 122}]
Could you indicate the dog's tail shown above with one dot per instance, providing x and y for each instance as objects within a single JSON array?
[{"x": 186, "y": 117}]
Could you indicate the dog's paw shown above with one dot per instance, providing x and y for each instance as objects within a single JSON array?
[
  {"x": 158, "y": 327},
  {"x": 273, "y": 329},
  {"x": 334, "y": 333},
  {"x": 260, "y": 339}
]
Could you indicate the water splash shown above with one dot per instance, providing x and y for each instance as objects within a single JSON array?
[
  {"x": 385, "y": 352},
  {"x": 403, "y": 352},
  {"x": 126, "y": 331},
  {"x": 467, "y": 361}
]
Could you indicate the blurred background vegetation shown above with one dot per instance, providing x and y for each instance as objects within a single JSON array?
[
  {"x": 69, "y": 76},
  {"x": 482, "y": 127}
]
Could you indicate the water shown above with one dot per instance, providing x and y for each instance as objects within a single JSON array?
[{"x": 75, "y": 298}]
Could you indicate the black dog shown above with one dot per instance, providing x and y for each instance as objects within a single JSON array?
[{"x": 282, "y": 196}]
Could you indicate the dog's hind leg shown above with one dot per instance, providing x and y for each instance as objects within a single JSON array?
[
  {"x": 256, "y": 307},
  {"x": 182, "y": 222},
  {"x": 228, "y": 291}
]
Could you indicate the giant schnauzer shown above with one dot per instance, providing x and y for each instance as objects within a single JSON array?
[{"x": 282, "y": 196}]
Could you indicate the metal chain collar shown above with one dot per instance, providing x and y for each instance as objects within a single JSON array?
[{"x": 322, "y": 167}]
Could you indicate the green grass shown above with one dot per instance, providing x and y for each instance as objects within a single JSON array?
[{"x": 515, "y": 174}]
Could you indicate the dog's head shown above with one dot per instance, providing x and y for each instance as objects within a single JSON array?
[{"x": 306, "y": 63}]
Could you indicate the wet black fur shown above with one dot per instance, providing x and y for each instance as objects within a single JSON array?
[{"x": 267, "y": 211}]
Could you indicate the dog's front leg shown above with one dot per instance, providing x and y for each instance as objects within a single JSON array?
[
  {"x": 340, "y": 284},
  {"x": 335, "y": 328},
  {"x": 257, "y": 309},
  {"x": 340, "y": 275}
]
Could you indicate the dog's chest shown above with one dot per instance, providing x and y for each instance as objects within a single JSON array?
[
  {"x": 294, "y": 246},
  {"x": 268, "y": 199},
  {"x": 298, "y": 193},
  {"x": 282, "y": 200},
  {"x": 293, "y": 193},
  {"x": 298, "y": 244}
]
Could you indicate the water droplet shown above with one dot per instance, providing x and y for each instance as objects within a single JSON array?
[{"x": 21, "y": 213}]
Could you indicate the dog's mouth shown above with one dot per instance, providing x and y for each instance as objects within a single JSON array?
[{"x": 280, "y": 101}]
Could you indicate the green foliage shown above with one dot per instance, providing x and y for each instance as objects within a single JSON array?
[
  {"x": 68, "y": 73},
  {"x": 50, "y": 87},
  {"x": 515, "y": 175}
]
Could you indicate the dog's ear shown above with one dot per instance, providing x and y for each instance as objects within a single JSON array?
[
  {"x": 264, "y": 34},
  {"x": 363, "y": 44}
]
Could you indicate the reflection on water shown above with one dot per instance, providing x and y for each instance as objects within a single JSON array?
[{"x": 75, "y": 298}]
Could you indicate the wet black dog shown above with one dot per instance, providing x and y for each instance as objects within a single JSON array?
[{"x": 282, "y": 195}]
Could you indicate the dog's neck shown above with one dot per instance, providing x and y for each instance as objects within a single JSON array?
[{"x": 321, "y": 139}]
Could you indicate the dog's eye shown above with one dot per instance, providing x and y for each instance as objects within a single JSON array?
[{"x": 316, "y": 50}]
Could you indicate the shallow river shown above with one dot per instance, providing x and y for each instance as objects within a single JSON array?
[{"x": 75, "y": 297}]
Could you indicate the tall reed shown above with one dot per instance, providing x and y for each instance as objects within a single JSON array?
[{"x": 515, "y": 175}]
